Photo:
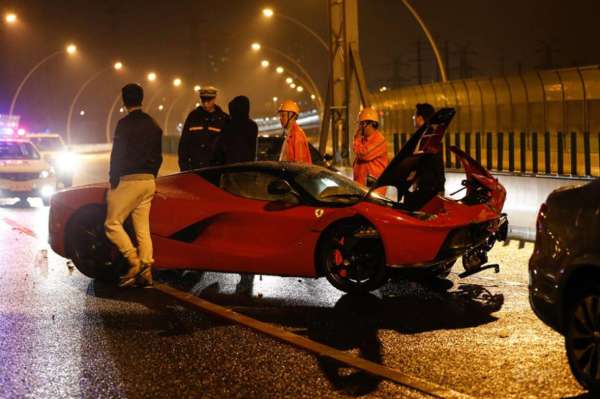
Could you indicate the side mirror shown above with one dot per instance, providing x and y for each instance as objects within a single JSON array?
[{"x": 279, "y": 187}]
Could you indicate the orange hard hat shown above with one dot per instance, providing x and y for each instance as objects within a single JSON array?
[
  {"x": 368, "y": 114},
  {"x": 289, "y": 106}
]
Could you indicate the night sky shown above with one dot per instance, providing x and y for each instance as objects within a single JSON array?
[{"x": 208, "y": 43}]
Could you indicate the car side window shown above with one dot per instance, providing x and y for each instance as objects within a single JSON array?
[{"x": 249, "y": 184}]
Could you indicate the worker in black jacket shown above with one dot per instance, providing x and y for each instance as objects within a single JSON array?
[
  {"x": 134, "y": 163},
  {"x": 200, "y": 132},
  {"x": 237, "y": 142}
]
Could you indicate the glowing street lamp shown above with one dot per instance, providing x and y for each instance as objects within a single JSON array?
[
  {"x": 279, "y": 70},
  {"x": 289, "y": 80},
  {"x": 121, "y": 110},
  {"x": 176, "y": 82},
  {"x": 383, "y": 88},
  {"x": 197, "y": 88},
  {"x": 275, "y": 99},
  {"x": 10, "y": 18},
  {"x": 255, "y": 46},
  {"x": 268, "y": 12},
  {"x": 118, "y": 65},
  {"x": 265, "y": 63},
  {"x": 300, "y": 89},
  {"x": 71, "y": 49},
  {"x": 82, "y": 112},
  {"x": 161, "y": 107},
  {"x": 151, "y": 77},
  {"x": 312, "y": 97},
  {"x": 293, "y": 85}
]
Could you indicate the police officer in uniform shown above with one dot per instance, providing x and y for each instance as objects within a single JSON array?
[{"x": 200, "y": 132}]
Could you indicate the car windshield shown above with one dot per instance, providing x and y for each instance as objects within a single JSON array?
[
  {"x": 327, "y": 186},
  {"x": 17, "y": 150},
  {"x": 48, "y": 143}
]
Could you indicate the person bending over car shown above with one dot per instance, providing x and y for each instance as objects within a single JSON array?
[
  {"x": 430, "y": 177},
  {"x": 237, "y": 142},
  {"x": 134, "y": 163},
  {"x": 295, "y": 144},
  {"x": 369, "y": 147}
]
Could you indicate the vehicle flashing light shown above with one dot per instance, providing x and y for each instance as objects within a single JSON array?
[{"x": 21, "y": 132}]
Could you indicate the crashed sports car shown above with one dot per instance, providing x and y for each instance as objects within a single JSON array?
[{"x": 297, "y": 220}]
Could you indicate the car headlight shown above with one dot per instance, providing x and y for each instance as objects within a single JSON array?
[
  {"x": 66, "y": 161},
  {"x": 44, "y": 174},
  {"x": 47, "y": 191}
]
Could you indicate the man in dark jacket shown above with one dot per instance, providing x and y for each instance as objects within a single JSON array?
[
  {"x": 134, "y": 163},
  {"x": 430, "y": 174},
  {"x": 237, "y": 142},
  {"x": 200, "y": 131}
]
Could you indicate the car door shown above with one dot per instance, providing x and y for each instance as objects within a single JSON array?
[{"x": 261, "y": 232}]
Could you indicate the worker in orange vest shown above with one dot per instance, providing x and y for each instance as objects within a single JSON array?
[
  {"x": 295, "y": 143},
  {"x": 369, "y": 147}
]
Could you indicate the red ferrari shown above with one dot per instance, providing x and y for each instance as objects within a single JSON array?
[{"x": 296, "y": 220}]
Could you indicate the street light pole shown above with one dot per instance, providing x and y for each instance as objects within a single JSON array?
[
  {"x": 109, "y": 117},
  {"x": 170, "y": 110},
  {"x": 434, "y": 47},
  {"x": 26, "y": 78},
  {"x": 256, "y": 47},
  {"x": 310, "y": 91},
  {"x": 267, "y": 12},
  {"x": 85, "y": 84}
]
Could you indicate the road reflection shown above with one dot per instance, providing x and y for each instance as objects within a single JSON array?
[{"x": 354, "y": 321}]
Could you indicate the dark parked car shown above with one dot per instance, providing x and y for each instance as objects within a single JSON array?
[
  {"x": 269, "y": 148},
  {"x": 564, "y": 275}
]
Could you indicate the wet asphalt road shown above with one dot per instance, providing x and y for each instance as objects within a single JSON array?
[{"x": 63, "y": 335}]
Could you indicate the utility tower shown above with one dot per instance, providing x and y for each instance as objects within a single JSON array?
[{"x": 347, "y": 88}]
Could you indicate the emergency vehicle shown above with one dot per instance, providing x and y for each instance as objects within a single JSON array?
[
  {"x": 24, "y": 173},
  {"x": 53, "y": 149}
]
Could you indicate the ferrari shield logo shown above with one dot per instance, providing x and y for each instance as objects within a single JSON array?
[{"x": 319, "y": 212}]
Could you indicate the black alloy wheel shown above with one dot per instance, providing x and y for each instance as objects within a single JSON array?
[
  {"x": 352, "y": 257},
  {"x": 582, "y": 339},
  {"x": 89, "y": 248}
]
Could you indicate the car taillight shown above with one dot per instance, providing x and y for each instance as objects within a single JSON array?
[{"x": 539, "y": 224}]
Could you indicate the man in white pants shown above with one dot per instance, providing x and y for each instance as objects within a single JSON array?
[{"x": 134, "y": 163}]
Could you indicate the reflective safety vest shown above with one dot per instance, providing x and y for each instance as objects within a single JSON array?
[
  {"x": 371, "y": 156},
  {"x": 295, "y": 146}
]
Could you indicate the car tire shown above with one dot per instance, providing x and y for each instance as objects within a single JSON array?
[
  {"x": 89, "y": 248},
  {"x": 582, "y": 338},
  {"x": 352, "y": 262}
]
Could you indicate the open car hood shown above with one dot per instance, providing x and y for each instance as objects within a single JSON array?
[{"x": 426, "y": 140}]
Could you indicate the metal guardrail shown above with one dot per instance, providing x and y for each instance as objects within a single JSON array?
[
  {"x": 558, "y": 155},
  {"x": 91, "y": 148}
]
